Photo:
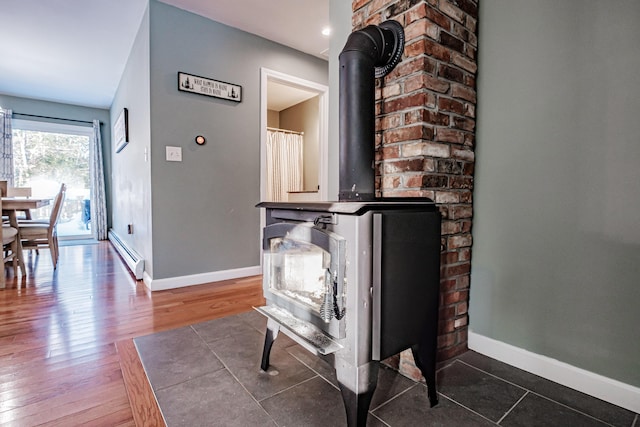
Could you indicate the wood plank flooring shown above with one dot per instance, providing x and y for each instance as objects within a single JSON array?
[{"x": 61, "y": 332}]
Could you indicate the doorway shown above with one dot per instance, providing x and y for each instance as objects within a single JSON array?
[
  {"x": 48, "y": 154},
  {"x": 291, "y": 104}
]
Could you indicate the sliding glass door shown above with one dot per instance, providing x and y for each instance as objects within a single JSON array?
[{"x": 46, "y": 155}]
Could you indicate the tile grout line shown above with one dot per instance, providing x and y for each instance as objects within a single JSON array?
[
  {"x": 310, "y": 368},
  {"x": 379, "y": 419},
  {"x": 513, "y": 407},
  {"x": 541, "y": 395},
  {"x": 393, "y": 398},
  {"x": 234, "y": 377},
  {"x": 467, "y": 408}
]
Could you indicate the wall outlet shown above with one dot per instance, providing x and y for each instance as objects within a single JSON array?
[{"x": 174, "y": 154}]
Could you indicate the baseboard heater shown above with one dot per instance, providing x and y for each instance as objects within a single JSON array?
[{"x": 133, "y": 260}]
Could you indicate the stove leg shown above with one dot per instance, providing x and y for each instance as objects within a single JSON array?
[
  {"x": 357, "y": 386},
  {"x": 426, "y": 362},
  {"x": 270, "y": 336}
]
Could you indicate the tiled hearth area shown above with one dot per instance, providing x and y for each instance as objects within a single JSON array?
[{"x": 208, "y": 375}]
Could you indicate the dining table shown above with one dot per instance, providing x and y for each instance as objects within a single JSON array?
[{"x": 11, "y": 205}]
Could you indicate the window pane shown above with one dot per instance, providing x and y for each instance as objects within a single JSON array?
[{"x": 43, "y": 161}]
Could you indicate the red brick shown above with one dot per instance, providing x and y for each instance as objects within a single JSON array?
[
  {"x": 462, "y": 154},
  {"x": 437, "y": 17},
  {"x": 455, "y": 297},
  {"x": 414, "y": 100},
  {"x": 460, "y": 31},
  {"x": 391, "y": 181},
  {"x": 429, "y": 48},
  {"x": 405, "y": 134},
  {"x": 470, "y": 110},
  {"x": 451, "y": 351},
  {"x": 400, "y": 166},
  {"x": 429, "y": 117},
  {"x": 457, "y": 270},
  {"x": 460, "y": 322},
  {"x": 460, "y": 91},
  {"x": 450, "y": 73},
  {"x": 457, "y": 212},
  {"x": 459, "y": 241},
  {"x": 421, "y": 28},
  {"x": 426, "y": 81},
  {"x": 390, "y": 121},
  {"x": 449, "y": 135},
  {"x": 452, "y": 11},
  {"x": 412, "y": 65},
  {"x": 447, "y": 197},
  {"x": 446, "y": 340},
  {"x": 461, "y": 182},
  {"x": 468, "y": 6},
  {"x": 357, "y": 4},
  {"x": 464, "y": 254},
  {"x": 390, "y": 152},
  {"x": 413, "y": 181},
  {"x": 434, "y": 181},
  {"x": 464, "y": 123},
  {"x": 450, "y": 166},
  {"x": 451, "y": 42},
  {"x": 449, "y": 257},
  {"x": 450, "y": 227},
  {"x": 462, "y": 308},
  {"x": 466, "y": 197},
  {"x": 471, "y": 24},
  {"x": 450, "y": 105},
  {"x": 464, "y": 63}
]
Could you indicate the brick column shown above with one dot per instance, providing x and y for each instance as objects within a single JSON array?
[{"x": 425, "y": 135}]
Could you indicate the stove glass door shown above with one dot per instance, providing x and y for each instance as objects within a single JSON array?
[{"x": 304, "y": 271}]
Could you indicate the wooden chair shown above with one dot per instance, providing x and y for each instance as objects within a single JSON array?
[
  {"x": 36, "y": 235},
  {"x": 20, "y": 192},
  {"x": 10, "y": 249}
]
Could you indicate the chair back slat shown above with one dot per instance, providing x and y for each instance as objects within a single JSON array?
[{"x": 57, "y": 206}]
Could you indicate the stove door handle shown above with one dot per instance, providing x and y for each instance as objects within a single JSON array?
[{"x": 325, "y": 219}]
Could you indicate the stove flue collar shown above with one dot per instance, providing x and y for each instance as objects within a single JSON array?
[{"x": 383, "y": 43}]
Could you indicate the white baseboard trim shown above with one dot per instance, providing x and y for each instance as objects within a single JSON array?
[
  {"x": 199, "y": 279},
  {"x": 607, "y": 389}
]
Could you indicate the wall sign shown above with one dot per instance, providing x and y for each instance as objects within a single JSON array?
[{"x": 208, "y": 87}]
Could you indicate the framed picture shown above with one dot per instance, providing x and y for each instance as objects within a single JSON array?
[{"x": 121, "y": 130}]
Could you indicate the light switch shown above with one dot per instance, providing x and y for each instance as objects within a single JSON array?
[{"x": 174, "y": 154}]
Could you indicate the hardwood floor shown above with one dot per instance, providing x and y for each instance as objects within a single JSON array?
[{"x": 64, "y": 333}]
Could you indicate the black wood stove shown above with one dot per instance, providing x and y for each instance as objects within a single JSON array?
[{"x": 357, "y": 280}]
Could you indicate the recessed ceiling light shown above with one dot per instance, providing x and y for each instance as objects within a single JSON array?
[{"x": 326, "y": 31}]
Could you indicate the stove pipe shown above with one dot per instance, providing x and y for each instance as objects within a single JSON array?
[{"x": 369, "y": 53}]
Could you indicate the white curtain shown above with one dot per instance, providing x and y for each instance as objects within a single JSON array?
[
  {"x": 6, "y": 147},
  {"x": 284, "y": 164},
  {"x": 98, "y": 198}
]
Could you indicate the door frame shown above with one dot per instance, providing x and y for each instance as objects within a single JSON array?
[{"x": 267, "y": 75}]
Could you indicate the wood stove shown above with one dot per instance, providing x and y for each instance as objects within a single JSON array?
[{"x": 357, "y": 280}]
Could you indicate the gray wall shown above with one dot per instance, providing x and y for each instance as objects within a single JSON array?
[
  {"x": 303, "y": 117},
  {"x": 204, "y": 215},
  {"x": 131, "y": 178},
  {"x": 67, "y": 111},
  {"x": 556, "y": 254}
]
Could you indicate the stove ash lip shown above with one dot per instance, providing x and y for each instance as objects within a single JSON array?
[{"x": 369, "y": 53}]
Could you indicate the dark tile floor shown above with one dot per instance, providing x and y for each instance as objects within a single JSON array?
[{"x": 208, "y": 375}]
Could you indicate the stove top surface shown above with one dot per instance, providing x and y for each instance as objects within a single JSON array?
[{"x": 354, "y": 206}]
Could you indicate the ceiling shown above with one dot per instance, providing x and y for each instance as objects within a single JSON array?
[{"x": 74, "y": 51}]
